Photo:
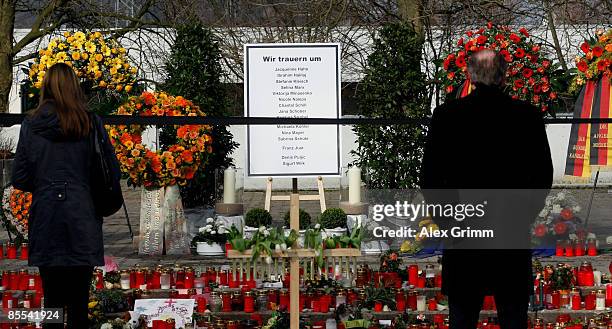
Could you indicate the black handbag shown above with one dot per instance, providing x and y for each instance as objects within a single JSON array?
[{"x": 105, "y": 183}]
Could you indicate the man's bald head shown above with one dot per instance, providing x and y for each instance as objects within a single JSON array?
[{"x": 487, "y": 67}]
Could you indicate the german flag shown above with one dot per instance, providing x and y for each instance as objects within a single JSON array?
[
  {"x": 601, "y": 156},
  {"x": 577, "y": 164}
]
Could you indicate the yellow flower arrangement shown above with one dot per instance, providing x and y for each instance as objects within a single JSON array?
[
  {"x": 175, "y": 165},
  {"x": 93, "y": 56}
]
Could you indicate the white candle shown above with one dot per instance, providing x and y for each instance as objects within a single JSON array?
[
  {"x": 597, "y": 277},
  {"x": 421, "y": 307},
  {"x": 229, "y": 185},
  {"x": 354, "y": 176}
]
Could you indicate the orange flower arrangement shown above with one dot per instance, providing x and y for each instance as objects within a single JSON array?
[
  {"x": 175, "y": 165},
  {"x": 16, "y": 205}
]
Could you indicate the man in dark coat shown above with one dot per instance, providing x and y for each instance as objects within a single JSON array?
[{"x": 488, "y": 140}]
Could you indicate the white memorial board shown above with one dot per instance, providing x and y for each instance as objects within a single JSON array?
[
  {"x": 295, "y": 81},
  {"x": 181, "y": 310}
]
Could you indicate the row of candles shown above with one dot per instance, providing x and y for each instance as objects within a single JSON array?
[
  {"x": 572, "y": 248},
  {"x": 584, "y": 276},
  {"x": 13, "y": 252}
]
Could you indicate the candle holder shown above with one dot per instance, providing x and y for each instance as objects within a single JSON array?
[
  {"x": 229, "y": 187},
  {"x": 353, "y": 191}
]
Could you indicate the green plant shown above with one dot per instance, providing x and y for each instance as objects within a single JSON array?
[
  {"x": 112, "y": 300},
  {"x": 257, "y": 217},
  {"x": 112, "y": 277},
  {"x": 386, "y": 296},
  {"x": 562, "y": 278},
  {"x": 393, "y": 88},
  {"x": 305, "y": 219},
  {"x": 333, "y": 218},
  {"x": 194, "y": 71}
]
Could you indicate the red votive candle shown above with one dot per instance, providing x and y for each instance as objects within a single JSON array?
[
  {"x": 592, "y": 247},
  {"x": 433, "y": 305},
  {"x": 11, "y": 251},
  {"x": 1, "y": 251},
  {"x": 579, "y": 248},
  {"x": 569, "y": 250},
  {"x": 189, "y": 278},
  {"x": 421, "y": 282},
  {"x": 590, "y": 301},
  {"x": 556, "y": 299},
  {"x": 249, "y": 302},
  {"x": 99, "y": 279},
  {"x": 411, "y": 301},
  {"x": 559, "y": 248},
  {"x": 378, "y": 307},
  {"x": 201, "y": 304},
  {"x": 413, "y": 274},
  {"x": 24, "y": 251},
  {"x": 609, "y": 294},
  {"x": 576, "y": 300},
  {"x": 24, "y": 280},
  {"x": 400, "y": 300}
]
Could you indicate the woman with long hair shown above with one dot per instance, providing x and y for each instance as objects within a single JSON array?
[{"x": 53, "y": 161}]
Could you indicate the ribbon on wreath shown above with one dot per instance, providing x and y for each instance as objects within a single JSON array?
[
  {"x": 163, "y": 225},
  {"x": 589, "y": 145}
]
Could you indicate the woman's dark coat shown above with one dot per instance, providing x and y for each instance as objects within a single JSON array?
[{"x": 63, "y": 227}]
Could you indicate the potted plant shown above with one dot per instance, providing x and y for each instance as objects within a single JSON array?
[
  {"x": 333, "y": 221},
  {"x": 255, "y": 218},
  {"x": 210, "y": 239},
  {"x": 305, "y": 223}
]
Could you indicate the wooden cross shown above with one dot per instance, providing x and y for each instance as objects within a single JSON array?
[{"x": 295, "y": 254}]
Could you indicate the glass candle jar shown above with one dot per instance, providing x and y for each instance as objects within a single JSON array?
[
  {"x": 7, "y": 300},
  {"x": 226, "y": 298},
  {"x": 421, "y": 303},
  {"x": 164, "y": 280},
  {"x": 411, "y": 301},
  {"x": 133, "y": 283},
  {"x": 361, "y": 279},
  {"x": 180, "y": 279},
  {"x": 590, "y": 300},
  {"x": 11, "y": 251},
  {"x": 340, "y": 298},
  {"x": 124, "y": 280},
  {"x": 249, "y": 302},
  {"x": 272, "y": 299},
  {"x": 413, "y": 274},
  {"x": 579, "y": 248},
  {"x": 575, "y": 300},
  {"x": 400, "y": 300},
  {"x": 592, "y": 247},
  {"x": 564, "y": 299},
  {"x": 216, "y": 303},
  {"x": 223, "y": 278},
  {"x": 262, "y": 300},
  {"x": 555, "y": 299},
  {"x": 600, "y": 302},
  {"x": 569, "y": 249},
  {"x": 99, "y": 279},
  {"x": 189, "y": 278},
  {"x": 560, "y": 248},
  {"x": 28, "y": 300},
  {"x": 237, "y": 301},
  {"x": 232, "y": 324},
  {"x": 140, "y": 279},
  {"x": 284, "y": 299},
  {"x": 430, "y": 276},
  {"x": 24, "y": 280},
  {"x": 24, "y": 251}
]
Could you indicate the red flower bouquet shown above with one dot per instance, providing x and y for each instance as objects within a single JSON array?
[{"x": 528, "y": 74}]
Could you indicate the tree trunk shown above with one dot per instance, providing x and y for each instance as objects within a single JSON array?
[
  {"x": 7, "y": 20},
  {"x": 411, "y": 11}
]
